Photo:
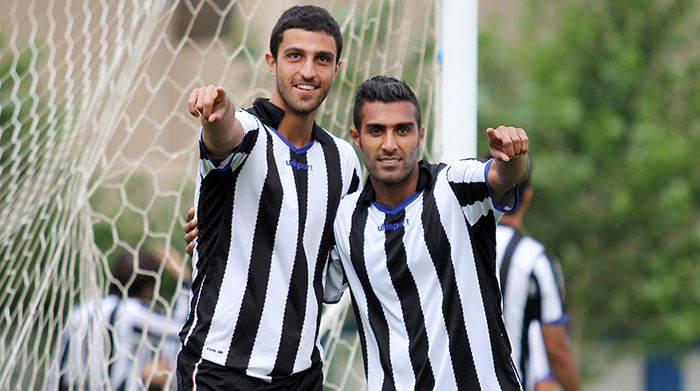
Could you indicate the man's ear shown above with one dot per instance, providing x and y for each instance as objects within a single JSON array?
[
  {"x": 421, "y": 135},
  {"x": 527, "y": 195},
  {"x": 271, "y": 63},
  {"x": 337, "y": 68},
  {"x": 355, "y": 136}
]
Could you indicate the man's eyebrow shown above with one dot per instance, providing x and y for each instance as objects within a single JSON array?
[
  {"x": 326, "y": 53},
  {"x": 318, "y": 53},
  {"x": 405, "y": 124}
]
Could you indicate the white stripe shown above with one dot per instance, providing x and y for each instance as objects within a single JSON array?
[
  {"x": 194, "y": 373},
  {"x": 195, "y": 253},
  {"x": 477, "y": 210},
  {"x": 196, "y": 305}
]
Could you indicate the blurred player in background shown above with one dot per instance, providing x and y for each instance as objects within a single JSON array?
[
  {"x": 533, "y": 290},
  {"x": 102, "y": 341}
]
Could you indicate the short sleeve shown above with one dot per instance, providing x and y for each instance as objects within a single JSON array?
[
  {"x": 335, "y": 283},
  {"x": 249, "y": 122},
  {"x": 469, "y": 181},
  {"x": 549, "y": 279}
]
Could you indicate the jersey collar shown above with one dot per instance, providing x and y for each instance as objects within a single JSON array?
[
  {"x": 426, "y": 172},
  {"x": 271, "y": 115}
]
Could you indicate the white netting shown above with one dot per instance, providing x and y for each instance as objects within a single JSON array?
[{"x": 98, "y": 153}]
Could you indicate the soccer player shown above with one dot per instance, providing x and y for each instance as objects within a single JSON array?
[
  {"x": 102, "y": 341},
  {"x": 269, "y": 185},
  {"x": 533, "y": 289},
  {"x": 418, "y": 247}
]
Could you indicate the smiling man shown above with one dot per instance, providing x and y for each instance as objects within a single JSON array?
[
  {"x": 269, "y": 185},
  {"x": 418, "y": 248}
]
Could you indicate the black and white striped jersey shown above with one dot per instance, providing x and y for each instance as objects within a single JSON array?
[
  {"x": 422, "y": 276},
  {"x": 107, "y": 343},
  {"x": 532, "y": 286},
  {"x": 265, "y": 216}
]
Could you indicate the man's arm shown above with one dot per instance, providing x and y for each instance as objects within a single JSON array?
[
  {"x": 561, "y": 356},
  {"x": 190, "y": 232},
  {"x": 511, "y": 164},
  {"x": 222, "y": 132}
]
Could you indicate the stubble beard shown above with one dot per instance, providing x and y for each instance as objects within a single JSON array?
[{"x": 297, "y": 106}]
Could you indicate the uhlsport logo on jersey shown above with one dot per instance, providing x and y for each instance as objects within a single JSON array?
[
  {"x": 392, "y": 226},
  {"x": 298, "y": 165}
]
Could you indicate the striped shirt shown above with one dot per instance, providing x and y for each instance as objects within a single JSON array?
[
  {"x": 107, "y": 342},
  {"x": 532, "y": 286},
  {"x": 265, "y": 218},
  {"x": 422, "y": 277}
]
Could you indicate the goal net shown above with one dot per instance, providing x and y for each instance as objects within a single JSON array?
[{"x": 98, "y": 158}]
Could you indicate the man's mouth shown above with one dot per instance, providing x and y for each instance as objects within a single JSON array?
[
  {"x": 305, "y": 87},
  {"x": 389, "y": 161}
]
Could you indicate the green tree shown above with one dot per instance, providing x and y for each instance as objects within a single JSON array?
[{"x": 609, "y": 93}]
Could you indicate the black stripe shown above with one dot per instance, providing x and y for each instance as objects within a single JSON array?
[
  {"x": 355, "y": 182},
  {"x": 335, "y": 188},
  {"x": 214, "y": 215},
  {"x": 469, "y": 193},
  {"x": 295, "y": 308},
  {"x": 377, "y": 319},
  {"x": 253, "y": 302},
  {"x": 508, "y": 257},
  {"x": 483, "y": 240},
  {"x": 532, "y": 312},
  {"x": 407, "y": 291},
  {"x": 452, "y": 310}
]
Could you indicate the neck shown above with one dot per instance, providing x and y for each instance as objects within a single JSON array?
[
  {"x": 514, "y": 220},
  {"x": 392, "y": 194},
  {"x": 296, "y": 128}
]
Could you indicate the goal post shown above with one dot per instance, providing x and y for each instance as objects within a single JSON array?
[{"x": 98, "y": 154}]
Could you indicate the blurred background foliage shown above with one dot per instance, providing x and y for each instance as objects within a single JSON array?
[{"x": 609, "y": 93}]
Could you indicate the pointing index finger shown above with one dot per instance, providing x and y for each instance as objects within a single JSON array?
[{"x": 191, "y": 103}]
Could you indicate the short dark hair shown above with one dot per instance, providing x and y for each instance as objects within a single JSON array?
[
  {"x": 385, "y": 89},
  {"x": 123, "y": 269},
  {"x": 309, "y": 18}
]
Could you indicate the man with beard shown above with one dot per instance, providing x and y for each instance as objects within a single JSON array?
[{"x": 269, "y": 184}]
